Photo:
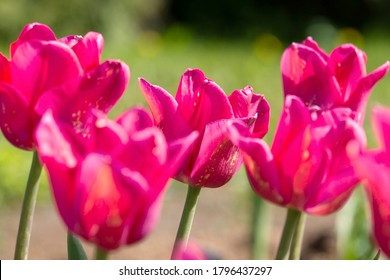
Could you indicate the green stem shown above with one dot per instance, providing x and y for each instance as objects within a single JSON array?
[
  {"x": 296, "y": 243},
  {"x": 288, "y": 231},
  {"x": 101, "y": 254},
  {"x": 259, "y": 218},
  {"x": 187, "y": 217},
  {"x": 28, "y": 207}
]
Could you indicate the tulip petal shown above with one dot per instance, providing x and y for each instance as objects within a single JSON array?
[
  {"x": 60, "y": 159},
  {"x": 33, "y": 31},
  {"x": 381, "y": 126},
  {"x": 135, "y": 120},
  {"x": 305, "y": 74},
  {"x": 259, "y": 162},
  {"x": 359, "y": 96},
  {"x": 201, "y": 101},
  {"x": 99, "y": 89},
  {"x": 106, "y": 206},
  {"x": 16, "y": 119},
  {"x": 88, "y": 48},
  {"x": 39, "y": 66},
  {"x": 165, "y": 111},
  {"x": 309, "y": 42},
  {"x": 348, "y": 65},
  {"x": 245, "y": 103},
  {"x": 218, "y": 158},
  {"x": 373, "y": 168},
  {"x": 294, "y": 119}
]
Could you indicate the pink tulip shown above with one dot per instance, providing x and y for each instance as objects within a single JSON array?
[
  {"x": 201, "y": 105},
  {"x": 373, "y": 168},
  {"x": 329, "y": 81},
  {"x": 190, "y": 251},
  {"x": 109, "y": 180},
  {"x": 307, "y": 167},
  {"x": 65, "y": 75}
]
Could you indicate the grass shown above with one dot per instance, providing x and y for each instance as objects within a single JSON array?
[{"x": 161, "y": 59}]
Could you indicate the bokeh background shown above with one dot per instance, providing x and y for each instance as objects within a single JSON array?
[{"x": 236, "y": 43}]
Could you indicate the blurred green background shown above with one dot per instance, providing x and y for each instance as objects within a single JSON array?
[{"x": 236, "y": 43}]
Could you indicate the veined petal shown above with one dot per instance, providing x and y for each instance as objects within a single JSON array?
[
  {"x": 305, "y": 74},
  {"x": 40, "y": 66},
  {"x": 33, "y": 31},
  {"x": 17, "y": 120},
  {"x": 165, "y": 111},
  {"x": 218, "y": 159}
]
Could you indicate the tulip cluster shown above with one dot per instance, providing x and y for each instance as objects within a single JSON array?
[{"x": 108, "y": 177}]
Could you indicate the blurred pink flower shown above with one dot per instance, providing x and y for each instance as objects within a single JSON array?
[
  {"x": 190, "y": 251},
  {"x": 65, "y": 75},
  {"x": 329, "y": 81},
  {"x": 108, "y": 181},
  {"x": 201, "y": 105},
  {"x": 307, "y": 167},
  {"x": 373, "y": 168}
]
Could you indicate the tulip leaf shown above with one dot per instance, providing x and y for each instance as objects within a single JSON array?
[{"x": 75, "y": 249}]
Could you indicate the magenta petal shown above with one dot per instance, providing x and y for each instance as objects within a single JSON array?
[
  {"x": 188, "y": 91},
  {"x": 17, "y": 120},
  {"x": 88, "y": 49},
  {"x": 359, "y": 96},
  {"x": 305, "y": 74},
  {"x": 99, "y": 89},
  {"x": 348, "y": 65},
  {"x": 212, "y": 105},
  {"x": 218, "y": 159},
  {"x": 259, "y": 162},
  {"x": 53, "y": 143},
  {"x": 309, "y": 42},
  {"x": 201, "y": 101},
  {"x": 381, "y": 126},
  {"x": 294, "y": 119},
  {"x": 105, "y": 203},
  {"x": 374, "y": 170},
  {"x": 245, "y": 103},
  {"x": 135, "y": 120},
  {"x": 57, "y": 154},
  {"x": 165, "y": 111},
  {"x": 39, "y": 66},
  {"x": 33, "y": 31}
]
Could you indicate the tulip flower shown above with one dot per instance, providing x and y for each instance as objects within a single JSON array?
[
  {"x": 338, "y": 79},
  {"x": 190, "y": 251},
  {"x": 108, "y": 180},
  {"x": 307, "y": 167},
  {"x": 373, "y": 168},
  {"x": 201, "y": 105},
  {"x": 63, "y": 74}
]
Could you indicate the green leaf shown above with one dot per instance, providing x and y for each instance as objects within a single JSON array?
[{"x": 75, "y": 249}]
